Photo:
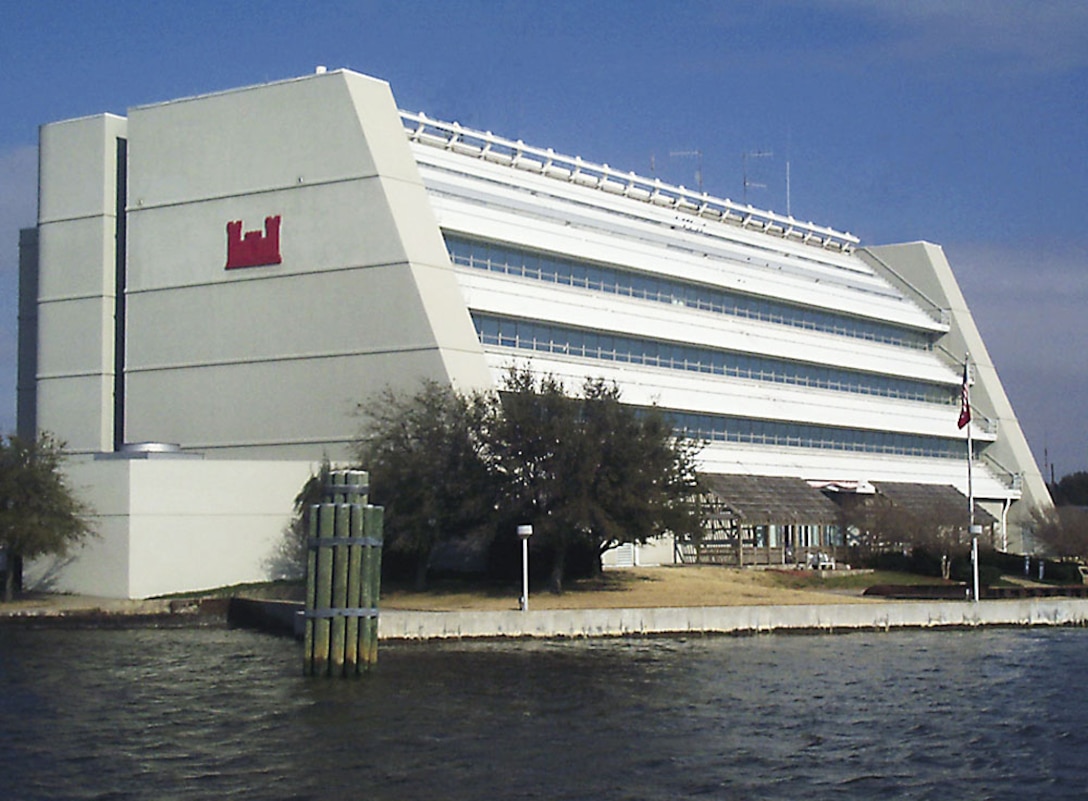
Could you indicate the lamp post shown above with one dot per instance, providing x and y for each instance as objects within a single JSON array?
[{"x": 524, "y": 532}]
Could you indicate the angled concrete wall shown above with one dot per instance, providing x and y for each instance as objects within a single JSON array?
[{"x": 922, "y": 270}]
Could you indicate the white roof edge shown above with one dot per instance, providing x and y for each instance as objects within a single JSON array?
[
  {"x": 487, "y": 146},
  {"x": 238, "y": 89}
]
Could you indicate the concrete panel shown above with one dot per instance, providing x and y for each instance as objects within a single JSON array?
[
  {"x": 468, "y": 371},
  {"x": 327, "y": 227},
  {"x": 77, "y": 209},
  {"x": 188, "y": 487},
  {"x": 202, "y": 524},
  {"x": 78, "y": 167},
  {"x": 100, "y": 567},
  {"x": 76, "y": 337},
  {"x": 284, "y": 402},
  {"x": 169, "y": 525},
  {"x": 198, "y": 552},
  {"x": 78, "y": 258},
  {"x": 448, "y": 316},
  {"x": 300, "y": 316},
  {"x": 255, "y": 139},
  {"x": 78, "y": 410},
  {"x": 377, "y": 114}
]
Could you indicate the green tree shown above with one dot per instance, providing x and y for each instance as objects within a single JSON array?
[
  {"x": 589, "y": 470},
  {"x": 427, "y": 468},
  {"x": 39, "y": 513}
]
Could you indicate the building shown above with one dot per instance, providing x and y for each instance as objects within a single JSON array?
[{"x": 236, "y": 272}]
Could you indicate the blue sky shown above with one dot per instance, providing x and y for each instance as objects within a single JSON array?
[{"x": 961, "y": 123}]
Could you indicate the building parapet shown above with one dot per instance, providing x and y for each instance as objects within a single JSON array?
[{"x": 484, "y": 145}]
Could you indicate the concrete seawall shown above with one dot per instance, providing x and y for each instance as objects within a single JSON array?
[{"x": 395, "y": 624}]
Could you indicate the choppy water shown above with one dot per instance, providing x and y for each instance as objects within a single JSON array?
[{"x": 214, "y": 714}]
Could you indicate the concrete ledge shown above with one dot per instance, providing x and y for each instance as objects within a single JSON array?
[
  {"x": 275, "y": 617},
  {"x": 283, "y": 617},
  {"x": 402, "y": 625}
]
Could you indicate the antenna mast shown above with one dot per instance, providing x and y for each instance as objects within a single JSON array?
[
  {"x": 698, "y": 156},
  {"x": 753, "y": 154}
]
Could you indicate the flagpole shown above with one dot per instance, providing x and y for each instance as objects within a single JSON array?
[{"x": 966, "y": 413}]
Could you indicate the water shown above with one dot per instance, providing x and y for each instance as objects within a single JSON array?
[{"x": 213, "y": 714}]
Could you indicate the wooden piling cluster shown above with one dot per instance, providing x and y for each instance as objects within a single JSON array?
[{"x": 343, "y": 578}]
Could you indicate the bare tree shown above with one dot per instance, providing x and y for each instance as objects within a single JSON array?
[{"x": 1064, "y": 531}]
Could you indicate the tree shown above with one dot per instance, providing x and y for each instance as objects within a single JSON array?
[
  {"x": 427, "y": 468},
  {"x": 39, "y": 513},
  {"x": 935, "y": 531},
  {"x": 289, "y": 559},
  {"x": 644, "y": 481},
  {"x": 589, "y": 471},
  {"x": 1071, "y": 490}
]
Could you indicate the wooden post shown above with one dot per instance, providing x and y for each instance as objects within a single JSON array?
[
  {"x": 311, "y": 590},
  {"x": 373, "y": 520},
  {"x": 354, "y": 592},
  {"x": 322, "y": 593},
  {"x": 343, "y": 578},
  {"x": 339, "y": 624}
]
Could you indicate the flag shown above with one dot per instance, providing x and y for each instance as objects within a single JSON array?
[{"x": 965, "y": 398}]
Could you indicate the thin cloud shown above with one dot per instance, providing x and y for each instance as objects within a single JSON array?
[
  {"x": 1028, "y": 301},
  {"x": 925, "y": 39},
  {"x": 1007, "y": 37}
]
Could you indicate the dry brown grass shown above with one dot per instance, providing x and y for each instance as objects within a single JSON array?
[{"x": 689, "y": 585}]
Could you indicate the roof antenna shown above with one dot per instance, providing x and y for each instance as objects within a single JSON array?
[
  {"x": 789, "y": 138},
  {"x": 696, "y": 154},
  {"x": 753, "y": 154}
]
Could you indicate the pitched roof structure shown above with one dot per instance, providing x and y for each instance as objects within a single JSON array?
[
  {"x": 765, "y": 500},
  {"x": 942, "y": 499}
]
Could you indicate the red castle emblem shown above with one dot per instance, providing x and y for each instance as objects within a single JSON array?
[{"x": 254, "y": 249}]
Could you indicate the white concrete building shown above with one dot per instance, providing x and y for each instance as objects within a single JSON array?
[{"x": 235, "y": 272}]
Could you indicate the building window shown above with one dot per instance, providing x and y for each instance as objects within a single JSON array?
[
  {"x": 748, "y": 431},
  {"x": 568, "y": 272},
  {"x": 544, "y": 337}
]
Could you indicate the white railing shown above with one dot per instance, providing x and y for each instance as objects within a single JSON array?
[
  {"x": 488, "y": 147},
  {"x": 1010, "y": 478}
]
